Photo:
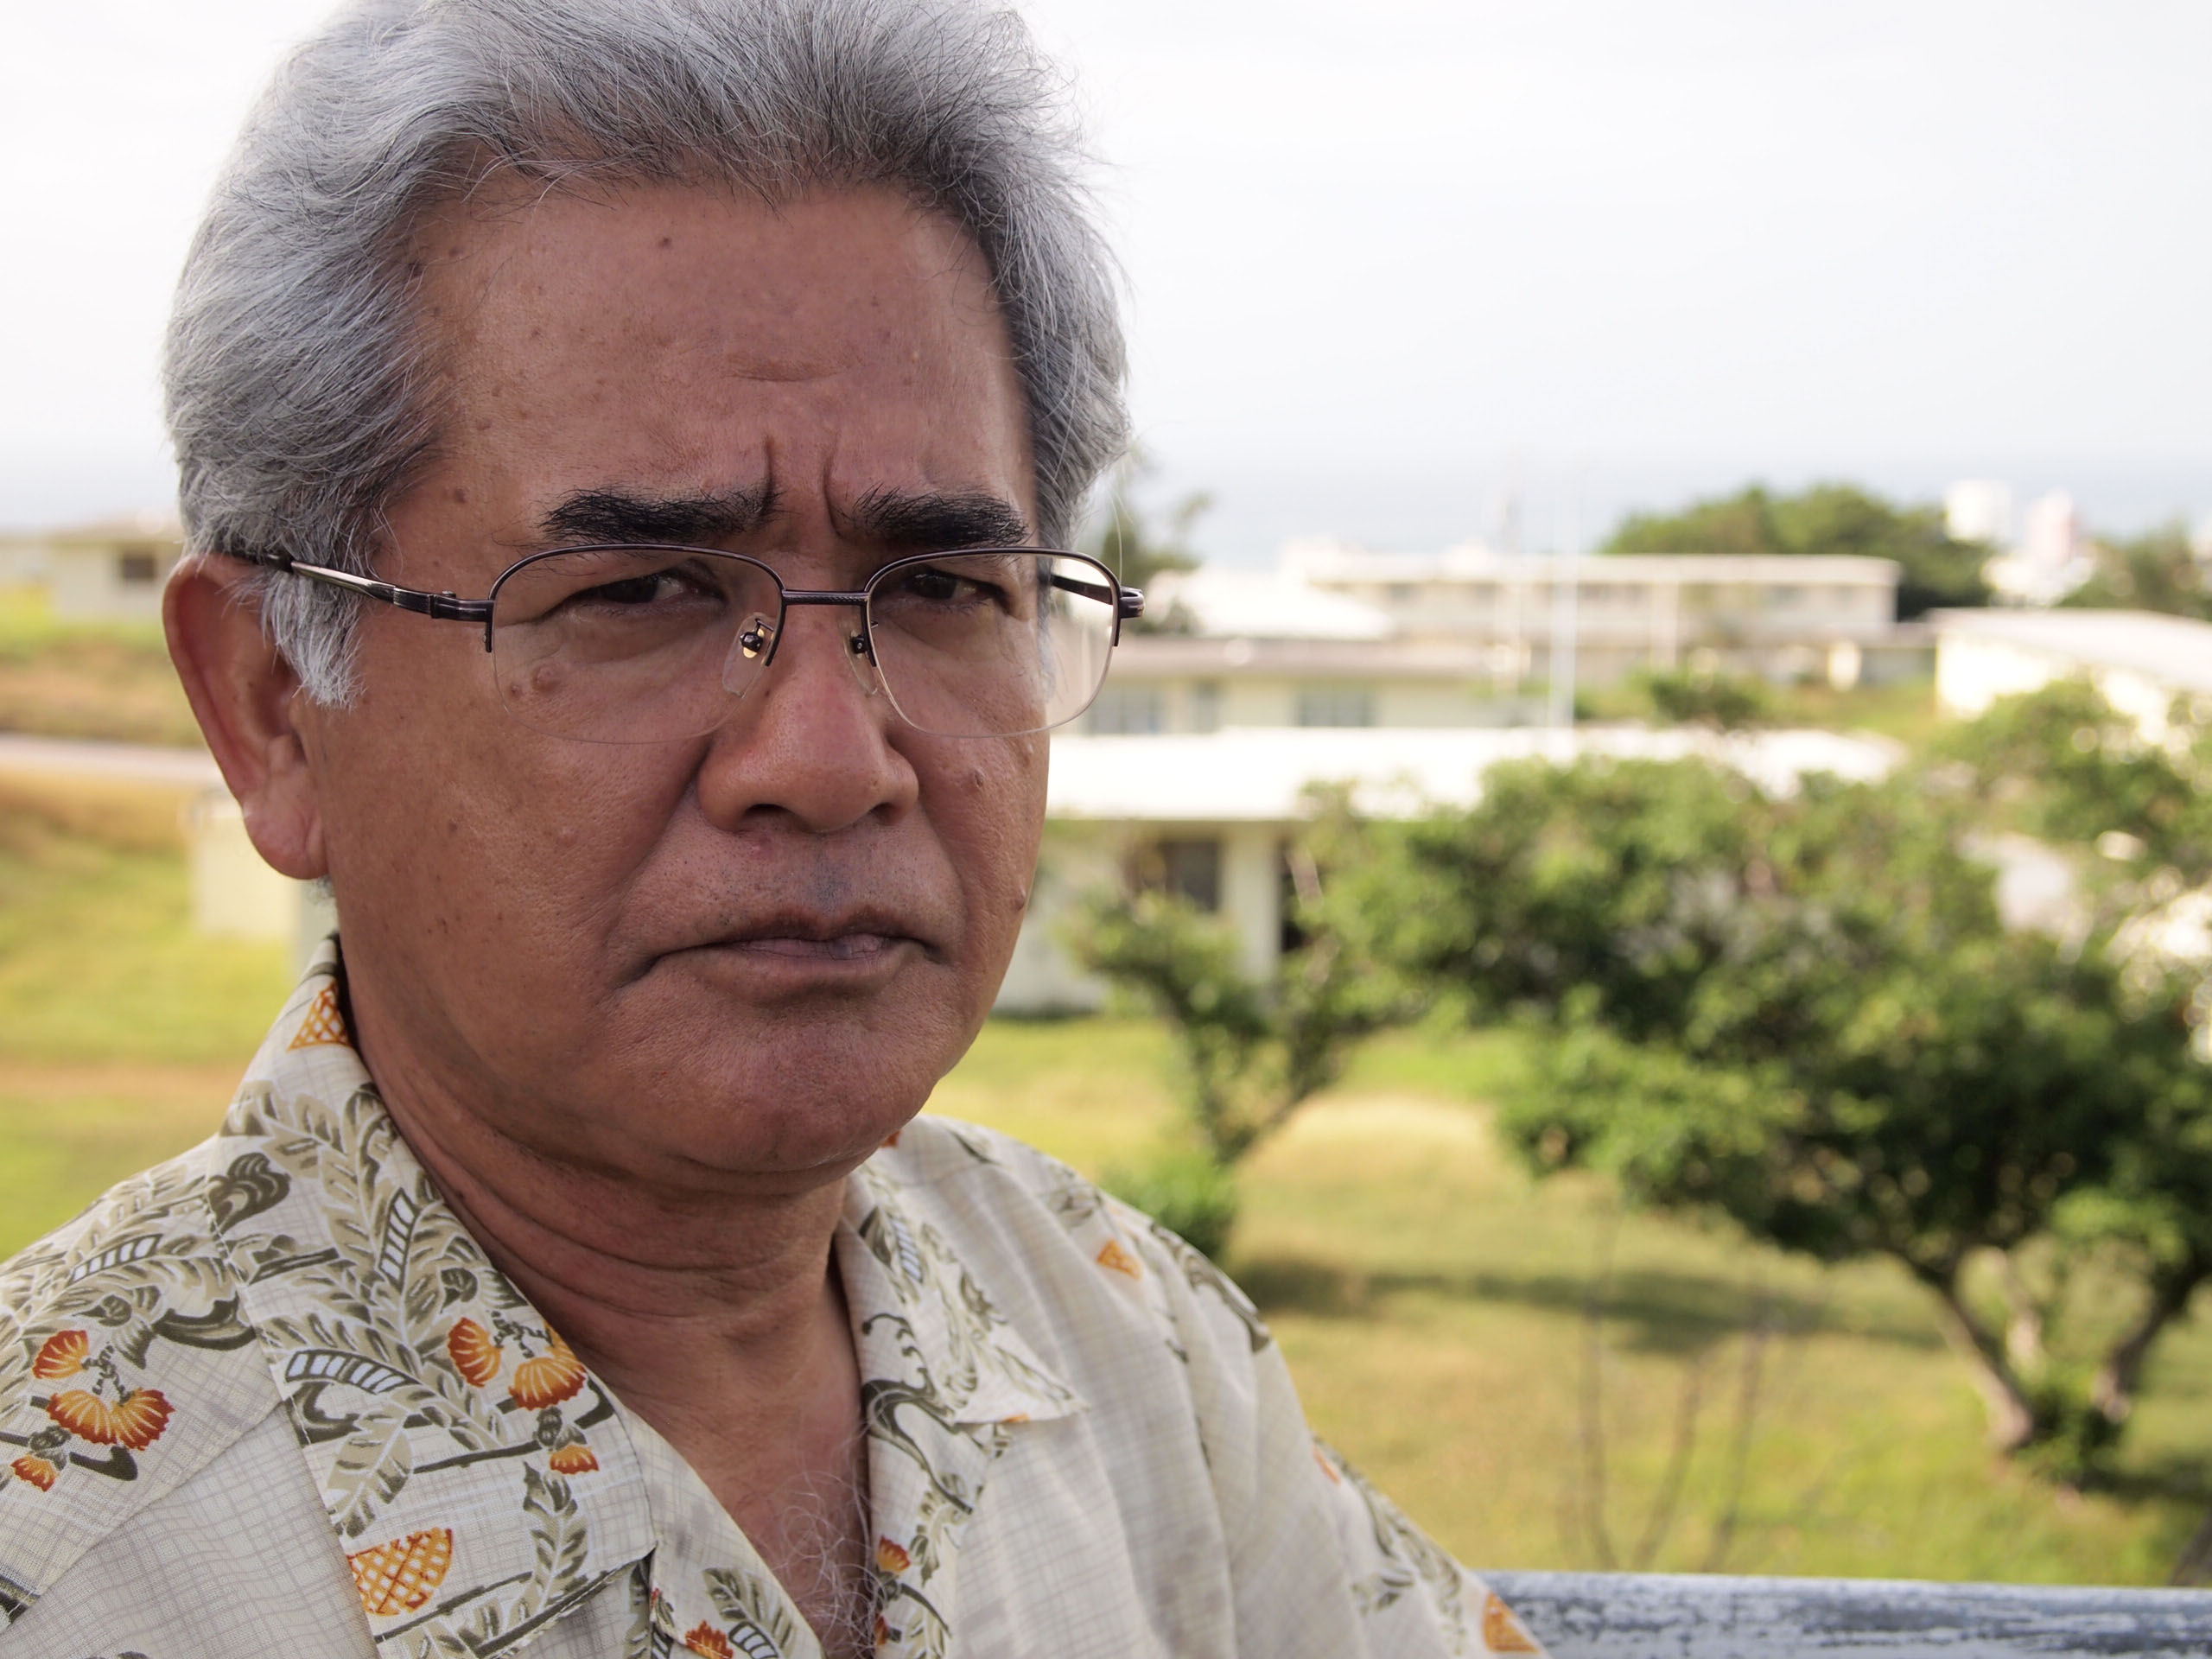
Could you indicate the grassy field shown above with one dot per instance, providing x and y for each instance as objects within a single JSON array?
[
  {"x": 1529, "y": 1372},
  {"x": 106, "y": 680}
]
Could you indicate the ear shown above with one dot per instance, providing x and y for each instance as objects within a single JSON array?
[{"x": 248, "y": 702}]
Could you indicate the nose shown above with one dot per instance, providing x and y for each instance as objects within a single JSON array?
[{"x": 809, "y": 740}]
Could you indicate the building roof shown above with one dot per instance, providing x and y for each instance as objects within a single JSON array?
[
  {"x": 102, "y": 533},
  {"x": 1259, "y": 775},
  {"x": 1316, "y": 561},
  {"x": 1262, "y": 604},
  {"x": 2172, "y": 650},
  {"x": 1172, "y": 656}
]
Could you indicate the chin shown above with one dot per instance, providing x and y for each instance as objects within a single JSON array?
[{"x": 788, "y": 1096}]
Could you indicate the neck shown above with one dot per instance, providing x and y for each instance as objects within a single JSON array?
[{"x": 685, "y": 1302}]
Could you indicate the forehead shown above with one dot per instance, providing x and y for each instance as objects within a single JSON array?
[{"x": 679, "y": 340}]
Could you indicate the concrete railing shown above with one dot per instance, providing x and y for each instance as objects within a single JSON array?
[{"x": 1665, "y": 1616}]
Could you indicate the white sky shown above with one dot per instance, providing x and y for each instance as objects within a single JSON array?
[{"x": 1384, "y": 256}]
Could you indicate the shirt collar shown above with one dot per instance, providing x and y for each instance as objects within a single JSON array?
[{"x": 480, "y": 1480}]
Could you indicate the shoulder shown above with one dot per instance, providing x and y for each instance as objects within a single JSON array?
[
  {"x": 126, "y": 1366},
  {"x": 1018, "y": 1214}
]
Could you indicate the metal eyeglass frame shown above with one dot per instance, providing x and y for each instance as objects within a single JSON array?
[{"x": 1128, "y": 603}]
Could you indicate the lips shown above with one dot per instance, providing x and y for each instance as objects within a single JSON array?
[
  {"x": 845, "y": 947},
  {"x": 857, "y": 936}
]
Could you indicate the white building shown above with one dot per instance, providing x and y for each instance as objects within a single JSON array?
[
  {"x": 110, "y": 570},
  {"x": 1781, "y": 616},
  {"x": 1180, "y": 683},
  {"x": 1979, "y": 509},
  {"x": 2053, "y": 559},
  {"x": 1211, "y": 815},
  {"x": 2139, "y": 660}
]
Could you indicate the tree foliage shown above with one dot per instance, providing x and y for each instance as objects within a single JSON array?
[
  {"x": 1250, "y": 1052},
  {"x": 1693, "y": 696},
  {"x": 1137, "y": 545},
  {"x": 1806, "y": 1016},
  {"x": 1840, "y": 518},
  {"x": 2157, "y": 571}
]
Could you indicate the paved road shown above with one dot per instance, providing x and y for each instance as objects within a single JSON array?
[{"x": 128, "y": 762}]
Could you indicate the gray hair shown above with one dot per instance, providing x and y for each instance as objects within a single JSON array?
[{"x": 299, "y": 396}]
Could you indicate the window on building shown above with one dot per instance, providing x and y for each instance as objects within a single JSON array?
[
  {"x": 1205, "y": 706},
  {"x": 1335, "y": 705},
  {"x": 1190, "y": 869},
  {"x": 135, "y": 567},
  {"x": 1785, "y": 598},
  {"x": 1403, "y": 593},
  {"x": 1123, "y": 711}
]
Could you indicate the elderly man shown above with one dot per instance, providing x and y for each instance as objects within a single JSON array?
[{"x": 619, "y": 439}]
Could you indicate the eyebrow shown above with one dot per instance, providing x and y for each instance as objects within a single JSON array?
[
  {"x": 926, "y": 522},
  {"x": 619, "y": 517}
]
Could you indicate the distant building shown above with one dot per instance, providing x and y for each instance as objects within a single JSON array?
[
  {"x": 1169, "y": 683},
  {"x": 1210, "y": 816},
  {"x": 2140, "y": 661},
  {"x": 1979, "y": 509},
  {"x": 112, "y": 570},
  {"x": 1784, "y": 617},
  {"x": 2053, "y": 559}
]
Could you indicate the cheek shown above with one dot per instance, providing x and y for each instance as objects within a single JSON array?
[
  {"x": 449, "y": 799},
  {"x": 992, "y": 820}
]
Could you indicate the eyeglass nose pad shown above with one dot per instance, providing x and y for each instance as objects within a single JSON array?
[
  {"x": 860, "y": 656},
  {"x": 748, "y": 654}
]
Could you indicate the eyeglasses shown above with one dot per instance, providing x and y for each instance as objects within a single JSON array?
[{"x": 647, "y": 644}]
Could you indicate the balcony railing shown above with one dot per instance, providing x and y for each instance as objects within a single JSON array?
[{"x": 1664, "y": 1616}]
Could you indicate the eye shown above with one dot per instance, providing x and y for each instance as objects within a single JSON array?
[
  {"x": 635, "y": 590},
  {"x": 940, "y": 587},
  {"x": 934, "y": 584}
]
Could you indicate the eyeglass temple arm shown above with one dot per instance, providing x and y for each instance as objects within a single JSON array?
[
  {"x": 1128, "y": 602},
  {"x": 446, "y": 606}
]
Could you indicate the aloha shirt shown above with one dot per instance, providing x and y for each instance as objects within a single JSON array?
[{"x": 271, "y": 1398}]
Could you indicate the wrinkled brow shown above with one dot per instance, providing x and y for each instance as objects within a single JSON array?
[
  {"x": 924, "y": 522},
  {"x": 616, "y": 516}
]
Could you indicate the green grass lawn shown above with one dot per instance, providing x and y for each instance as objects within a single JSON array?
[
  {"x": 1482, "y": 1346},
  {"x": 108, "y": 680}
]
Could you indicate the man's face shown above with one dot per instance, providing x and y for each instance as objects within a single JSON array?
[{"x": 744, "y": 959}]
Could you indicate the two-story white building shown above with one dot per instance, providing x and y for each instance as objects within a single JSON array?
[{"x": 1780, "y": 616}]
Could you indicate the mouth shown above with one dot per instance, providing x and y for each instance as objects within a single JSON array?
[
  {"x": 841, "y": 947},
  {"x": 856, "y": 940}
]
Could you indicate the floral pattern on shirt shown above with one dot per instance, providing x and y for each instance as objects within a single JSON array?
[{"x": 480, "y": 1482}]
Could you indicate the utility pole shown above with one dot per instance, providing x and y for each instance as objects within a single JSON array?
[{"x": 1565, "y": 594}]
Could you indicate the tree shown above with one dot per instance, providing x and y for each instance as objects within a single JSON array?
[
  {"x": 1805, "y": 1015},
  {"x": 1249, "y": 1053},
  {"x": 1839, "y": 519},
  {"x": 2157, "y": 571},
  {"x": 1691, "y": 697},
  {"x": 1134, "y": 546}
]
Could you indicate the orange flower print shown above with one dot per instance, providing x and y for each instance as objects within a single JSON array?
[
  {"x": 1501, "y": 1631},
  {"x": 37, "y": 1471},
  {"x": 400, "y": 1576},
  {"x": 1112, "y": 1257},
  {"x": 475, "y": 1354},
  {"x": 62, "y": 1355},
  {"x": 135, "y": 1421},
  {"x": 574, "y": 1459},
  {"x": 706, "y": 1639},
  {"x": 553, "y": 1376},
  {"x": 885, "y": 1636},
  {"x": 324, "y": 1025},
  {"x": 890, "y": 1557}
]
